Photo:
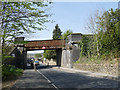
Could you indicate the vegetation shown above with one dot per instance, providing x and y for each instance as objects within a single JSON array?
[
  {"x": 57, "y": 33},
  {"x": 38, "y": 55},
  {"x": 9, "y": 70},
  {"x": 48, "y": 54},
  {"x": 86, "y": 45},
  {"x": 104, "y": 44},
  {"x": 66, "y": 34},
  {"x": 109, "y": 35},
  {"x": 19, "y": 18}
]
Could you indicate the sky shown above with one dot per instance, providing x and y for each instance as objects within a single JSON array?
[{"x": 71, "y": 15}]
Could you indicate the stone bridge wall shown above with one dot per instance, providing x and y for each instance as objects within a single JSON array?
[
  {"x": 20, "y": 54},
  {"x": 101, "y": 68}
]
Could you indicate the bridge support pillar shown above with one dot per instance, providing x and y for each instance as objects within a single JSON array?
[
  {"x": 67, "y": 58},
  {"x": 58, "y": 56},
  {"x": 24, "y": 58},
  {"x": 20, "y": 53}
]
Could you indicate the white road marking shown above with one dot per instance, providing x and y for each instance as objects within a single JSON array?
[{"x": 48, "y": 80}]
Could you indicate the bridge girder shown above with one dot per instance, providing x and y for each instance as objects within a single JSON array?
[{"x": 44, "y": 44}]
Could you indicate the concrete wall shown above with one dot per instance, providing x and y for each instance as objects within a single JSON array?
[
  {"x": 71, "y": 51},
  {"x": 58, "y": 56},
  {"x": 66, "y": 58},
  {"x": 75, "y": 53},
  {"x": 75, "y": 37},
  {"x": 69, "y": 56}
]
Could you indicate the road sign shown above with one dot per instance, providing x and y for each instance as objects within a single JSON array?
[{"x": 43, "y": 47}]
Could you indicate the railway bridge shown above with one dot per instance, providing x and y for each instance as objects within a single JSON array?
[
  {"x": 47, "y": 45},
  {"x": 66, "y": 51}
]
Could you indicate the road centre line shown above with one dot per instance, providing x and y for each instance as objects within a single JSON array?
[{"x": 47, "y": 79}]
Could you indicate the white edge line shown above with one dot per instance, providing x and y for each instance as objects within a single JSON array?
[{"x": 48, "y": 80}]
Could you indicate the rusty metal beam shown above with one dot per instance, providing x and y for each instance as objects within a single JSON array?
[{"x": 48, "y": 44}]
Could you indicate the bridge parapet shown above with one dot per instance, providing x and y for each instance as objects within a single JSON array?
[{"x": 74, "y": 38}]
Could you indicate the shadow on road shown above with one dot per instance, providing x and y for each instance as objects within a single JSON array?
[
  {"x": 46, "y": 66},
  {"x": 63, "y": 79}
]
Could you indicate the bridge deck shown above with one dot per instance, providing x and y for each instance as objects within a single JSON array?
[{"x": 44, "y": 44}]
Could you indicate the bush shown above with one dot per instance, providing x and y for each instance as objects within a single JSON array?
[
  {"x": 10, "y": 70},
  {"x": 8, "y": 57},
  {"x": 48, "y": 54}
]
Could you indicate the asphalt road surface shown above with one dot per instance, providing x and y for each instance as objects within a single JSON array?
[
  {"x": 63, "y": 79},
  {"x": 57, "y": 79}
]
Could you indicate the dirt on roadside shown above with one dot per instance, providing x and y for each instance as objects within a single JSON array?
[{"x": 9, "y": 82}]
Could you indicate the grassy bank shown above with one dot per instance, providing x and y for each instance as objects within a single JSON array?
[{"x": 97, "y": 60}]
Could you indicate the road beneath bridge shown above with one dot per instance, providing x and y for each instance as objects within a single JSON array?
[{"x": 53, "y": 77}]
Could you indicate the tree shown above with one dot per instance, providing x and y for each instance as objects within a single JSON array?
[
  {"x": 93, "y": 27},
  {"x": 109, "y": 24},
  {"x": 56, "y": 33},
  {"x": 38, "y": 55},
  {"x": 106, "y": 32},
  {"x": 19, "y": 18},
  {"x": 48, "y": 54},
  {"x": 86, "y": 45},
  {"x": 66, "y": 34}
]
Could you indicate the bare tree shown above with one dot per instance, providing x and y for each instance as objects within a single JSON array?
[{"x": 93, "y": 27}]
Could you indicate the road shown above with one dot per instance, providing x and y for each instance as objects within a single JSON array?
[
  {"x": 63, "y": 79},
  {"x": 55, "y": 78}
]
